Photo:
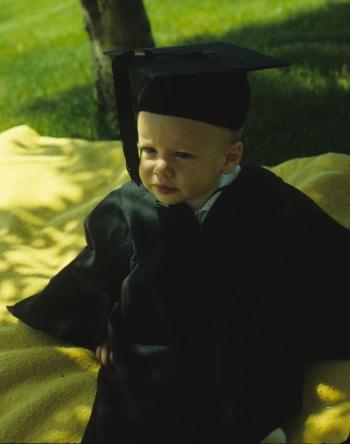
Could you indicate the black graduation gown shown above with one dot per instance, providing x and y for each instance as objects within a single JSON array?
[{"x": 209, "y": 326}]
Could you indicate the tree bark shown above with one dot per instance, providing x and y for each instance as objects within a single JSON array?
[{"x": 112, "y": 25}]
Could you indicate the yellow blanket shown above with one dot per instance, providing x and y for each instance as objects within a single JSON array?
[{"x": 48, "y": 186}]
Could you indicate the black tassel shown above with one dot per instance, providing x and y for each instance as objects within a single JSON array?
[{"x": 126, "y": 114}]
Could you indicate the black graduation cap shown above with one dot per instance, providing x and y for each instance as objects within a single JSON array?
[{"x": 206, "y": 82}]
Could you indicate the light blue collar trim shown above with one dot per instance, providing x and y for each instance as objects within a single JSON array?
[{"x": 225, "y": 180}]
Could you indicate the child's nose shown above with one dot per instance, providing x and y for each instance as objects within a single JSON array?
[{"x": 163, "y": 168}]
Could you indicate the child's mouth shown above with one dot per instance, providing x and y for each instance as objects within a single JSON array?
[{"x": 163, "y": 189}]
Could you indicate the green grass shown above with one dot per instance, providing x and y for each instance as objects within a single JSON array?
[{"x": 46, "y": 77}]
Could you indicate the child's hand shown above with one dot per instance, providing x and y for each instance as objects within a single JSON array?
[{"x": 104, "y": 355}]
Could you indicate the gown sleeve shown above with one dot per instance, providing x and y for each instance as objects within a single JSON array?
[{"x": 76, "y": 303}]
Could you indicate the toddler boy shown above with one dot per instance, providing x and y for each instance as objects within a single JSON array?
[{"x": 205, "y": 283}]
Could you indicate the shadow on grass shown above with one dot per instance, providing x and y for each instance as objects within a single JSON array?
[
  {"x": 302, "y": 110},
  {"x": 74, "y": 111},
  {"x": 296, "y": 39}
]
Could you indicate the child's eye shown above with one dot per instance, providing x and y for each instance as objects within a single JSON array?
[
  {"x": 182, "y": 154},
  {"x": 148, "y": 150}
]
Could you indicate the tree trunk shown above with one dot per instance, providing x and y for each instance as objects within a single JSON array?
[{"x": 111, "y": 25}]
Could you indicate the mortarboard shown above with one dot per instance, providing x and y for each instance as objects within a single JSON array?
[{"x": 206, "y": 82}]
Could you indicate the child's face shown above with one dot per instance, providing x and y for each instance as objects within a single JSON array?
[{"x": 182, "y": 160}]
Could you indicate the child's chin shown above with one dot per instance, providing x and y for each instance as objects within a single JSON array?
[{"x": 167, "y": 200}]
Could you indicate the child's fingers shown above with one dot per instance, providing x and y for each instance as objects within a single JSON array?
[
  {"x": 104, "y": 355},
  {"x": 99, "y": 351},
  {"x": 105, "y": 352}
]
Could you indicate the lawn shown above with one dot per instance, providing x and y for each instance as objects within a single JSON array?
[{"x": 46, "y": 76}]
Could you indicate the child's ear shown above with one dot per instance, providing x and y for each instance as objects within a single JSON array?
[{"x": 233, "y": 157}]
